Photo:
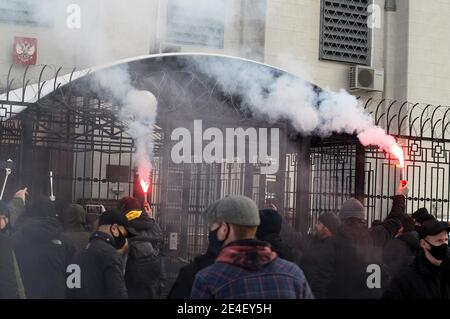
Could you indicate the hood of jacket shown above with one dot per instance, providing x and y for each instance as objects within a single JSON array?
[{"x": 40, "y": 229}]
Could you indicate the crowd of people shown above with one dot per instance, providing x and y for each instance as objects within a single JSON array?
[{"x": 251, "y": 253}]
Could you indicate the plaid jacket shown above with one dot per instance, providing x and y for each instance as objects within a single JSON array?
[{"x": 231, "y": 277}]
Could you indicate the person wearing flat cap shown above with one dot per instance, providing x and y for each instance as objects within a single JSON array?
[
  {"x": 428, "y": 277},
  {"x": 101, "y": 264},
  {"x": 245, "y": 267}
]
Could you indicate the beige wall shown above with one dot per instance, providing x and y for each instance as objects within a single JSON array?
[
  {"x": 293, "y": 30},
  {"x": 429, "y": 52},
  {"x": 106, "y": 35}
]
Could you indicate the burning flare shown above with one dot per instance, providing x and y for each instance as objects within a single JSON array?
[
  {"x": 144, "y": 184},
  {"x": 397, "y": 151}
]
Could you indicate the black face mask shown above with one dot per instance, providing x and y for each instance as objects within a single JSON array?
[
  {"x": 119, "y": 241},
  {"x": 214, "y": 243},
  {"x": 438, "y": 252}
]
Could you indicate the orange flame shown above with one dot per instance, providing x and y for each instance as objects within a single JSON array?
[
  {"x": 397, "y": 151},
  {"x": 145, "y": 185}
]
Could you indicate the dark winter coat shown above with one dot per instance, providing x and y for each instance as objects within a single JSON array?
[
  {"x": 143, "y": 274},
  {"x": 73, "y": 220},
  {"x": 381, "y": 234},
  {"x": 318, "y": 263},
  {"x": 400, "y": 252},
  {"x": 181, "y": 289},
  {"x": 42, "y": 256},
  {"x": 269, "y": 231},
  {"x": 354, "y": 252},
  {"x": 421, "y": 280},
  {"x": 10, "y": 279},
  {"x": 283, "y": 250},
  {"x": 102, "y": 270}
]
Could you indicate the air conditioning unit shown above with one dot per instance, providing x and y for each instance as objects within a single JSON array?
[{"x": 366, "y": 78}]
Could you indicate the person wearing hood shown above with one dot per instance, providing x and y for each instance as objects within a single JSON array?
[
  {"x": 401, "y": 251},
  {"x": 269, "y": 231},
  {"x": 101, "y": 263},
  {"x": 144, "y": 270},
  {"x": 245, "y": 267},
  {"x": 41, "y": 253},
  {"x": 73, "y": 219},
  {"x": 11, "y": 286},
  {"x": 420, "y": 216},
  {"x": 428, "y": 277}
]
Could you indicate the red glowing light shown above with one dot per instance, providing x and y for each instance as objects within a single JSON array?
[{"x": 145, "y": 185}]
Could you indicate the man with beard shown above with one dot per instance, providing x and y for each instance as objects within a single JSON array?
[
  {"x": 428, "y": 276},
  {"x": 101, "y": 264}
]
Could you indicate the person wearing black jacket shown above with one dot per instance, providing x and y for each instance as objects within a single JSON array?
[
  {"x": 41, "y": 253},
  {"x": 101, "y": 264},
  {"x": 269, "y": 231},
  {"x": 73, "y": 220},
  {"x": 144, "y": 269},
  {"x": 401, "y": 251},
  {"x": 10, "y": 279},
  {"x": 318, "y": 260},
  {"x": 428, "y": 277},
  {"x": 181, "y": 289},
  {"x": 357, "y": 248}
]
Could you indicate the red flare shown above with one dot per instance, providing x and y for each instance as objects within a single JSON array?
[
  {"x": 145, "y": 185},
  {"x": 397, "y": 151}
]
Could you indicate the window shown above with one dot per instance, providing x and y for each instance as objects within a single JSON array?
[
  {"x": 345, "y": 35},
  {"x": 196, "y": 22}
]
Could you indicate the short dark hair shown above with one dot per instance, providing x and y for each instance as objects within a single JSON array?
[{"x": 408, "y": 224}]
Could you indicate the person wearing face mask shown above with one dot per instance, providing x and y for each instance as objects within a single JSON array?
[
  {"x": 101, "y": 262},
  {"x": 428, "y": 277},
  {"x": 245, "y": 267}
]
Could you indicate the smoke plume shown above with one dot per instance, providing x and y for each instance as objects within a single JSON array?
[{"x": 274, "y": 96}]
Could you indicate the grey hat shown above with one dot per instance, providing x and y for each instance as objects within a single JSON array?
[
  {"x": 237, "y": 210},
  {"x": 352, "y": 208}
]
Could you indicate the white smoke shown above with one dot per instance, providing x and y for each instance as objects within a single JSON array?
[
  {"x": 138, "y": 113},
  {"x": 275, "y": 96}
]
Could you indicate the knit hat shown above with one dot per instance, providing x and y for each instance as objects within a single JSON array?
[
  {"x": 270, "y": 223},
  {"x": 422, "y": 215},
  {"x": 237, "y": 210},
  {"x": 330, "y": 220},
  {"x": 128, "y": 203},
  {"x": 433, "y": 227},
  {"x": 352, "y": 208}
]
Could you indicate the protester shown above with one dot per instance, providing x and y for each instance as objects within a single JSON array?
[
  {"x": 73, "y": 219},
  {"x": 428, "y": 277},
  {"x": 269, "y": 231},
  {"x": 11, "y": 286},
  {"x": 144, "y": 268},
  {"x": 101, "y": 262},
  {"x": 319, "y": 256},
  {"x": 245, "y": 266}
]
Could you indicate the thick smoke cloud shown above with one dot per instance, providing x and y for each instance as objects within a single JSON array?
[{"x": 274, "y": 97}]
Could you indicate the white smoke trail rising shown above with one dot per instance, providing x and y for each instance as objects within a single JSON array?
[
  {"x": 138, "y": 113},
  {"x": 273, "y": 97}
]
